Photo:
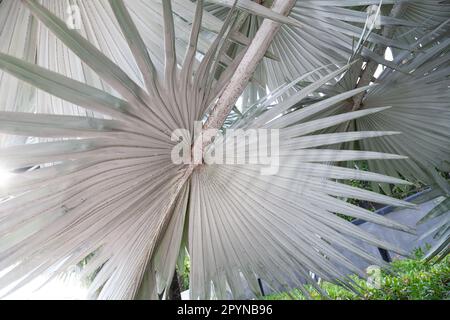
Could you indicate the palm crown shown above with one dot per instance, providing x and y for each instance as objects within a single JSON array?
[{"x": 87, "y": 115}]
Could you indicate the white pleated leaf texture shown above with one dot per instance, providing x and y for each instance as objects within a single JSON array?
[
  {"x": 420, "y": 108},
  {"x": 123, "y": 159},
  {"x": 244, "y": 225},
  {"x": 101, "y": 182},
  {"x": 440, "y": 230}
]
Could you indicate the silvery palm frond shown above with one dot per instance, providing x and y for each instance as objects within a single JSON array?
[
  {"x": 419, "y": 100},
  {"x": 320, "y": 34},
  {"x": 440, "y": 230}
]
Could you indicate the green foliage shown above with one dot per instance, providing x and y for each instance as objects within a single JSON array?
[
  {"x": 183, "y": 273},
  {"x": 409, "y": 279}
]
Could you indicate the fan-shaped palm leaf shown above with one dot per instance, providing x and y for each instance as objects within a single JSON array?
[
  {"x": 105, "y": 185},
  {"x": 419, "y": 100}
]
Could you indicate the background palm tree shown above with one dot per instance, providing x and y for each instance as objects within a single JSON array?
[{"x": 90, "y": 113}]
